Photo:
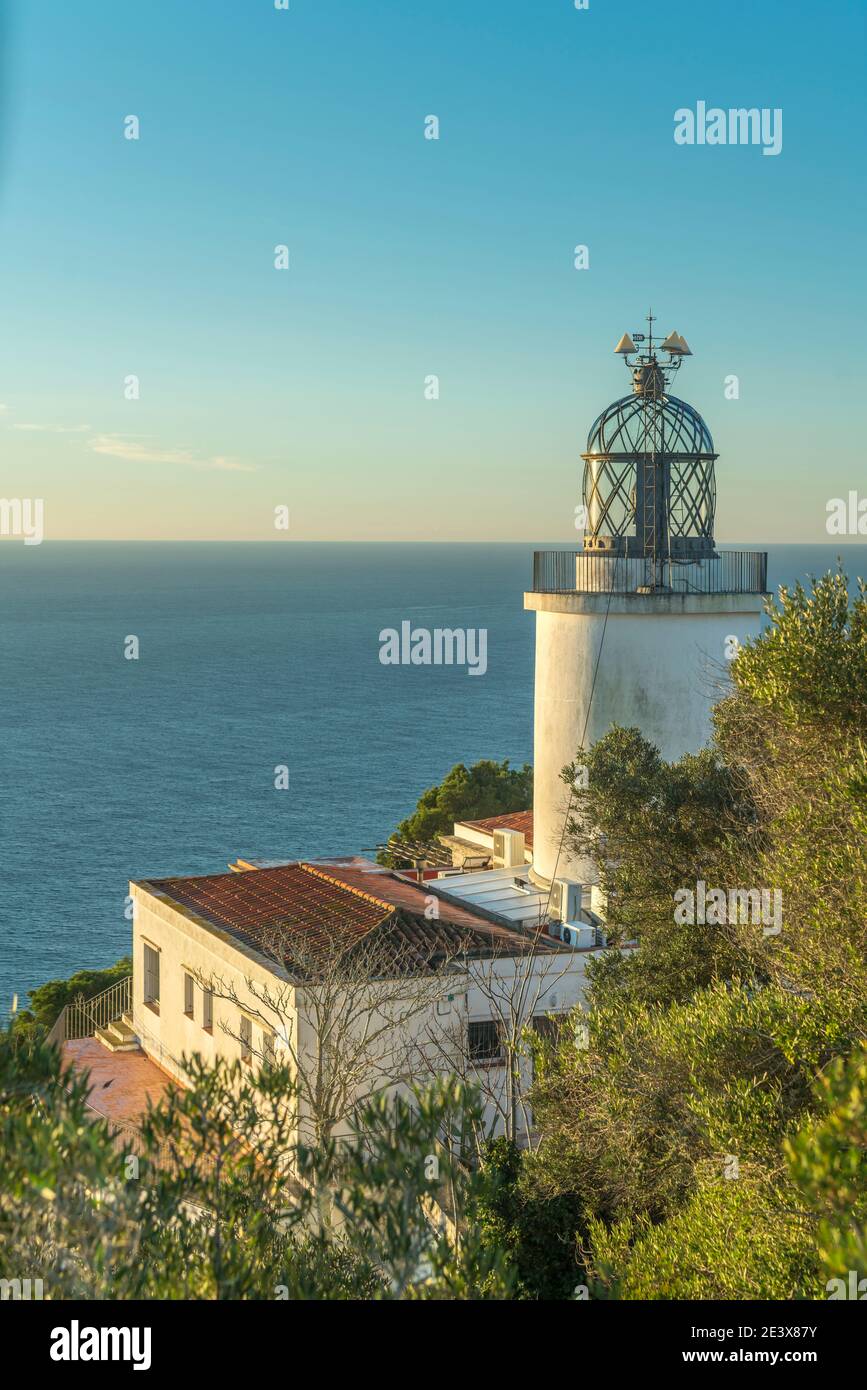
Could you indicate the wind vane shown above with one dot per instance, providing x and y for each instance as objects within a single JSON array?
[{"x": 650, "y": 375}]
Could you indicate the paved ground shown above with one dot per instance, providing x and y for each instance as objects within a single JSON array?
[{"x": 121, "y": 1083}]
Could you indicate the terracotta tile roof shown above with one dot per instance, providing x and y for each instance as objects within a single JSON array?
[
  {"x": 250, "y": 905},
  {"x": 415, "y": 897},
  {"x": 258, "y": 905},
  {"x": 509, "y": 820}
]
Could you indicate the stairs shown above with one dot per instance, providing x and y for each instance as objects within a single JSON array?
[{"x": 118, "y": 1036}]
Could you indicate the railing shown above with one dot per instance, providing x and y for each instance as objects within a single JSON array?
[
  {"x": 82, "y": 1017},
  {"x": 586, "y": 572},
  {"x": 128, "y": 1141}
]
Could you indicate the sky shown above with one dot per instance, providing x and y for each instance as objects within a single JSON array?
[{"x": 410, "y": 258}]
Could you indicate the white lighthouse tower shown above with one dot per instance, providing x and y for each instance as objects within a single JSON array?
[{"x": 635, "y": 628}]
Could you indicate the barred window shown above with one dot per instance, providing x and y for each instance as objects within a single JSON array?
[{"x": 485, "y": 1044}]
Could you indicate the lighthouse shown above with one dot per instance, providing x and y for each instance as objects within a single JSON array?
[{"x": 635, "y": 629}]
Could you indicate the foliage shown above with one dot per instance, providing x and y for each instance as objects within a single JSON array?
[
  {"x": 662, "y": 1096},
  {"x": 714, "y": 1126},
  {"x": 48, "y": 1000},
  {"x": 828, "y": 1162},
  {"x": 654, "y": 828},
  {"x": 407, "y": 1159},
  {"x": 751, "y": 1237},
  {"x": 730, "y": 1240},
  {"x": 212, "y": 1200},
  {"x": 485, "y": 789},
  {"x": 794, "y": 730},
  {"x": 536, "y": 1232},
  {"x": 65, "y": 1215}
]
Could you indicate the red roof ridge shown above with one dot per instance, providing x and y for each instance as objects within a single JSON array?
[
  {"x": 500, "y": 818},
  {"x": 347, "y": 887}
]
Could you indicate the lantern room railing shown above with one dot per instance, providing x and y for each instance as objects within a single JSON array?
[{"x": 583, "y": 572}]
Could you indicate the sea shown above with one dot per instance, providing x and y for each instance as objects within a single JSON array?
[{"x": 255, "y": 720}]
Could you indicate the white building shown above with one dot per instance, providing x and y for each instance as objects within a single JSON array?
[{"x": 238, "y": 965}]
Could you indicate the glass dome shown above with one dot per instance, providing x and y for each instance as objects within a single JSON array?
[{"x": 649, "y": 483}]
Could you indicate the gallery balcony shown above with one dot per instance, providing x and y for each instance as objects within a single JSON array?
[{"x": 588, "y": 572}]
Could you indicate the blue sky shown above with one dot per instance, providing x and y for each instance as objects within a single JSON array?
[{"x": 412, "y": 257}]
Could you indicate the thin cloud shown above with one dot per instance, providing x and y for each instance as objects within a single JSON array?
[
  {"x": 52, "y": 429},
  {"x": 133, "y": 451}
]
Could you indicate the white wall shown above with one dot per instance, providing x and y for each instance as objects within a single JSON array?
[
  {"x": 663, "y": 667},
  {"x": 187, "y": 944}
]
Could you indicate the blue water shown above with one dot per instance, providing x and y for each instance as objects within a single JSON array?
[{"x": 251, "y": 656}]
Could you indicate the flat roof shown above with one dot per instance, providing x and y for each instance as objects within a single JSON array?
[{"x": 509, "y": 820}]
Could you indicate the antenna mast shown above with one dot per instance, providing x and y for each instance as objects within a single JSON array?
[{"x": 651, "y": 375}]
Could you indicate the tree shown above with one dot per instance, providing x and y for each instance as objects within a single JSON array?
[
  {"x": 66, "y": 1216},
  {"x": 485, "y": 789},
  {"x": 399, "y": 1166},
  {"x": 827, "y": 1160},
  {"x": 794, "y": 733},
  {"x": 537, "y": 1233},
  {"x": 674, "y": 1126},
  {"x": 208, "y": 1206},
  {"x": 654, "y": 828},
  {"x": 731, "y": 1240},
  {"x": 48, "y": 1000}
]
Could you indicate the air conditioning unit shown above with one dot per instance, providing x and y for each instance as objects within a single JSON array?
[
  {"x": 565, "y": 905},
  {"x": 508, "y": 849},
  {"x": 578, "y": 936}
]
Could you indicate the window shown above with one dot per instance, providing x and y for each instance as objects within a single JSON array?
[
  {"x": 152, "y": 977},
  {"x": 269, "y": 1054},
  {"x": 246, "y": 1032},
  {"x": 188, "y": 994},
  {"x": 208, "y": 1010},
  {"x": 484, "y": 1042}
]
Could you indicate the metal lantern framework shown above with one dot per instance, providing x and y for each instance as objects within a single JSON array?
[{"x": 649, "y": 485}]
